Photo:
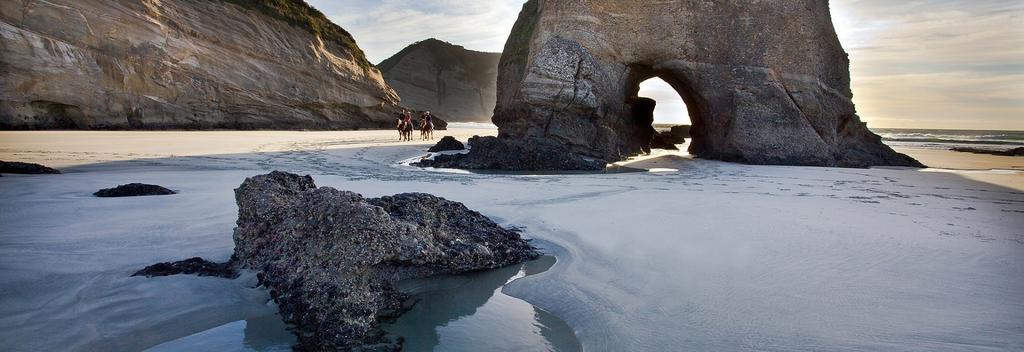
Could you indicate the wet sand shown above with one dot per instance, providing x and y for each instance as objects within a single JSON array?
[{"x": 689, "y": 253}]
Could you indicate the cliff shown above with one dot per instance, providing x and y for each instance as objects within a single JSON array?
[
  {"x": 183, "y": 64},
  {"x": 446, "y": 79}
]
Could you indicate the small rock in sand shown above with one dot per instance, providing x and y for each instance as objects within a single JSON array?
[
  {"x": 14, "y": 167},
  {"x": 134, "y": 190},
  {"x": 447, "y": 143}
]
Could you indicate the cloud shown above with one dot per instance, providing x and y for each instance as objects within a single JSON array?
[{"x": 935, "y": 63}]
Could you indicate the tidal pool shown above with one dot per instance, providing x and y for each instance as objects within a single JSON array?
[
  {"x": 470, "y": 313},
  {"x": 452, "y": 313}
]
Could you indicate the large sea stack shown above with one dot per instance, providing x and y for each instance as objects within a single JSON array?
[
  {"x": 150, "y": 64},
  {"x": 446, "y": 79},
  {"x": 766, "y": 82}
]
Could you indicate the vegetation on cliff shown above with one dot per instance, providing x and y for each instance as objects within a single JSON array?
[{"x": 298, "y": 13}]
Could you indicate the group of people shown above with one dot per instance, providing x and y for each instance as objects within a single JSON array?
[{"x": 405, "y": 126}]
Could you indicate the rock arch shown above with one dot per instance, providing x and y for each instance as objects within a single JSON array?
[{"x": 767, "y": 82}]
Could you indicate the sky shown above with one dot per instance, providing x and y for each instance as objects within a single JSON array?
[{"x": 956, "y": 64}]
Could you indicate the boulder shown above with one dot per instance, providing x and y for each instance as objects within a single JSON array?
[
  {"x": 134, "y": 190},
  {"x": 331, "y": 258},
  {"x": 494, "y": 153},
  {"x": 766, "y": 82},
  {"x": 662, "y": 141},
  {"x": 676, "y": 134},
  {"x": 14, "y": 167},
  {"x": 447, "y": 143},
  {"x": 196, "y": 64},
  {"x": 446, "y": 79}
]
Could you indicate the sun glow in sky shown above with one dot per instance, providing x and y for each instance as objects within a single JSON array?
[{"x": 915, "y": 64}]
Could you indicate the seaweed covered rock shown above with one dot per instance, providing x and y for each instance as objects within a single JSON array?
[
  {"x": 192, "y": 266},
  {"x": 494, "y": 153},
  {"x": 134, "y": 190},
  {"x": 447, "y": 143},
  {"x": 330, "y": 258},
  {"x": 14, "y": 167}
]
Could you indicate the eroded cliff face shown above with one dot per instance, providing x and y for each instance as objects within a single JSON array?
[
  {"x": 766, "y": 82},
  {"x": 156, "y": 64},
  {"x": 446, "y": 79}
]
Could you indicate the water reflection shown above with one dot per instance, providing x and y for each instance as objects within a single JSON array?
[
  {"x": 469, "y": 313},
  {"x": 265, "y": 333},
  {"x": 453, "y": 313}
]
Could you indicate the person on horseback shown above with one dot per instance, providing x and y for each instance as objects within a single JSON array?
[
  {"x": 427, "y": 128},
  {"x": 407, "y": 125}
]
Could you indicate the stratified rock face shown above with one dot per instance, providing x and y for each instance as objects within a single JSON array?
[
  {"x": 445, "y": 79},
  {"x": 331, "y": 258},
  {"x": 766, "y": 82},
  {"x": 152, "y": 64}
]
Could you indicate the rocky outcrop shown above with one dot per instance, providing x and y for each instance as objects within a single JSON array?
[
  {"x": 195, "y": 64},
  {"x": 445, "y": 79},
  {"x": 192, "y": 266},
  {"x": 14, "y": 167},
  {"x": 448, "y": 143},
  {"x": 676, "y": 134},
  {"x": 1019, "y": 151},
  {"x": 493, "y": 153},
  {"x": 330, "y": 258},
  {"x": 766, "y": 82},
  {"x": 134, "y": 190}
]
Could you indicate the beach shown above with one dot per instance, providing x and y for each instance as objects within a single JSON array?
[{"x": 682, "y": 254}]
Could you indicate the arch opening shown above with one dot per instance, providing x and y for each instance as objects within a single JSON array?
[{"x": 658, "y": 101}]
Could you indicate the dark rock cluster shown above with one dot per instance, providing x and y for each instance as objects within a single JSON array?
[
  {"x": 192, "y": 266},
  {"x": 331, "y": 258},
  {"x": 494, "y": 153},
  {"x": 446, "y": 144},
  {"x": 1019, "y": 151},
  {"x": 14, "y": 167},
  {"x": 676, "y": 135},
  {"x": 134, "y": 190}
]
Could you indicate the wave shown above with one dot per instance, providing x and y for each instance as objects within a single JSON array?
[{"x": 954, "y": 137}]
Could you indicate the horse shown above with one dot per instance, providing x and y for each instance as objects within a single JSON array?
[
  {"x": 405, "y": 129},
  {"x": 400, "y": 124},
  {"x": 426, "y": 130}
]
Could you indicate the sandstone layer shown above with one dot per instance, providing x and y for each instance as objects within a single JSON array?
[
  {"x": 448, "y": 80},
  {"x": 152, "y": 64},
  {"x": 766, "y": 82}
]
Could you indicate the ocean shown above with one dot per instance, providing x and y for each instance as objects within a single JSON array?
[{"x": 946, "y": 139}]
